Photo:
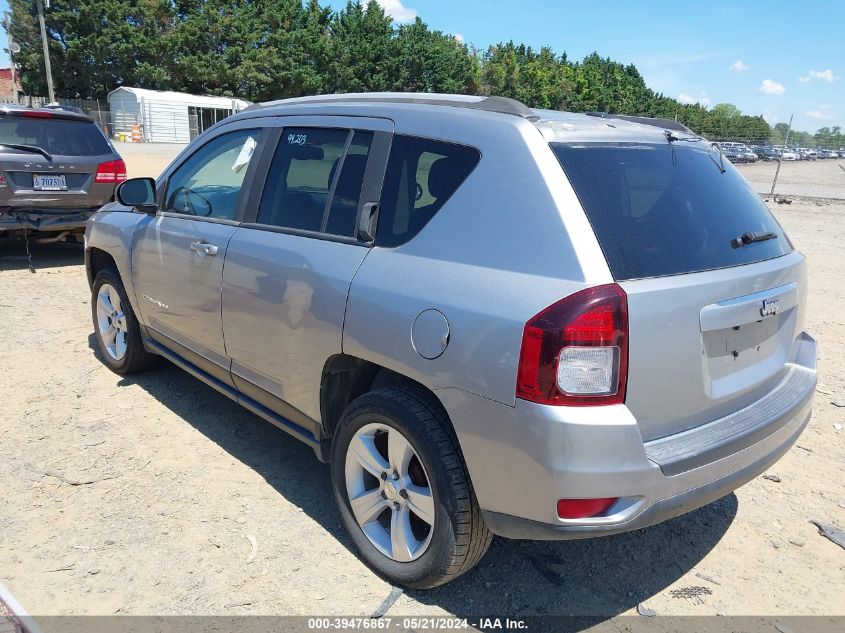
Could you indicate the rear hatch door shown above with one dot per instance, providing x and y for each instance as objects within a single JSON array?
[{"x": 715, "y": 290}]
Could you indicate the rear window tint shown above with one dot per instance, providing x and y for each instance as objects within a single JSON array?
[
  {"x": 57, "y": 136},
  {"x": 422, "y": 174},
  {"x": 668, "y": 209}
]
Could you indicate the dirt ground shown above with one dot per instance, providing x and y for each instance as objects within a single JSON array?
[
  {"x": 147, "y": 159},
  {"x": 818, "y": 178},
  {"x": 144, "y": 495}
]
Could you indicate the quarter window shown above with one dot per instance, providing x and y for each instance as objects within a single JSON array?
[
  {"x": 209, "y": 183},
  {"x": 315, "y": 180},
  {"x": 422, "y": 174}
]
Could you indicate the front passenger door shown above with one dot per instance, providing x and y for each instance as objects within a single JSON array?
[{"x": 177, "y": 258}]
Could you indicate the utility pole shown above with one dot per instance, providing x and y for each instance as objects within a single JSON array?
[
  {"x": 50, "y": 94},
  {"x": 780, "y": 159}
]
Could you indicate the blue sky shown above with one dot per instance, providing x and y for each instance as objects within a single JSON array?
[{"x": 774, "y": 58}]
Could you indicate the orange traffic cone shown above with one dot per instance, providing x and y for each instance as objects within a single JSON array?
[{"x": 136, "y": 133}]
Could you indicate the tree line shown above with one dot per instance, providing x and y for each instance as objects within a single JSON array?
[{"x": 271, "y": 49}]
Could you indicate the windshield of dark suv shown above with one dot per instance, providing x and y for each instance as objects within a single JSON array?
[
  {"x": 669, "y": 208},
  {"x": 60, "y": 137}
]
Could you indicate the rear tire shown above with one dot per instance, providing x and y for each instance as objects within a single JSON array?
[
  {"x": 454, "y": 537},
  {"x": 116, "y": 328}
]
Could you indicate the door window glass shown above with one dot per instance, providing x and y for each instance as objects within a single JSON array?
[
  {"x": 208, "y": 184},
  {"x": 304, "y": 177},
  {"x": 347, "y": 189}
]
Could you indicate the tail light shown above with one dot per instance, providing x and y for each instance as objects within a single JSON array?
[
  {"x": 36, "y": 114},
  {"x": 111, "y": 172},
  {"x": 575, "y": 352}
]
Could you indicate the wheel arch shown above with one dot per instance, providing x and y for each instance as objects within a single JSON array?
[
  {"x": 347, "y": 377},
  {"x": 96, "y": 259}
]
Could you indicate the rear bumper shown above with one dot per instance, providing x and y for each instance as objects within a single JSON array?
[
  {"x": 52, "y": 220},
  {"x": 523, "y": 459}
]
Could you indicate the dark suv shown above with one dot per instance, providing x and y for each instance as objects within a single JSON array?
[{"x": 56, "y": 169}]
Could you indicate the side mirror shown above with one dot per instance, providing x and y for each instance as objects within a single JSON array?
[{"x": 137, "y": 192}]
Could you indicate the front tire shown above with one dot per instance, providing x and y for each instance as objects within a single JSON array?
[
  {"x": 116, "y": 328},
  {"x": 403, "y": 491}
]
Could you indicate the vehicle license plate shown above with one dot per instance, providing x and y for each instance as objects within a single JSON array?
[{"x": 49, "y": 182}]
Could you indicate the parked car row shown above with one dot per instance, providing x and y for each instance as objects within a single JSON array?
[
  {"x": 738, "y": 152},
  {"x": 741, "y": 153},
  {"x": 807, "y": 153}
]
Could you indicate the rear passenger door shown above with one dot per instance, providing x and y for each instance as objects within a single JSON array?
[{"x": 290, "y": 264}]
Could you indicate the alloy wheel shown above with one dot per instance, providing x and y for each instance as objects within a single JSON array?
[
  {"x": 111, "y": 322},
  {"x": 389, "y": 492}
]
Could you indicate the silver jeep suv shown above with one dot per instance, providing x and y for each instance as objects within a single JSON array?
[{"x": 488, "y": 319}]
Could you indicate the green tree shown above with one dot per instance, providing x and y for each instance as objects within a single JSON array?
[
  {"x": 604, "y": 85},
  {"x": 363, "y": 49},
  {"x": 271, "y": 49},
  {"x": 432, "y": 61},
  {"x": 94, "y": 45},
  {"x": 537, "y": 78},
  {"x": 255, "y": 49}
]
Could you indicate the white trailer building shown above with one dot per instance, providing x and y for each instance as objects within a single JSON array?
[{"x": 167, "y": 117}]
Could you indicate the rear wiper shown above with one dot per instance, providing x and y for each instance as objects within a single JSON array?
[
  {"x": 748, "y": 238},
  {"x": 29, "y": 148}
]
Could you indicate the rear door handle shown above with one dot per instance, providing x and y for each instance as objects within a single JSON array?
[{"x": 204, "y": 248}]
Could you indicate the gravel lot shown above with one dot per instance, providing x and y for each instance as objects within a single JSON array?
[
  {"x": 143, "y": 495},
  {"x": 817, "y": 179}
]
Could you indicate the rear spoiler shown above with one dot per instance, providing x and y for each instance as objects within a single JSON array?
[{"x": 47, "y": 113}]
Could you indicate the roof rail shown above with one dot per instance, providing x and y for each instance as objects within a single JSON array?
[
  {"x": 502, "y": 105},
  {"x": 666, "y": 124}
]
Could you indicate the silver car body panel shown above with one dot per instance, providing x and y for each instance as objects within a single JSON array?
[
  {"x": 598, "y": 452},
  {"x": 112, "y": 231},
  {"x": 512, "y": 240},
  {"x": 488, "y": 280},
  {"x": 177, "y": 288},
  {"x": 681, "y": 366},
  {"x": 178, "y": 284},
  {"x": 284, "y": 298}
]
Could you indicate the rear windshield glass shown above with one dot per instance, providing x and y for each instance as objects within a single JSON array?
[
  {"x": 668, "y": 209},
  {"x": 56, "y": 136}
]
